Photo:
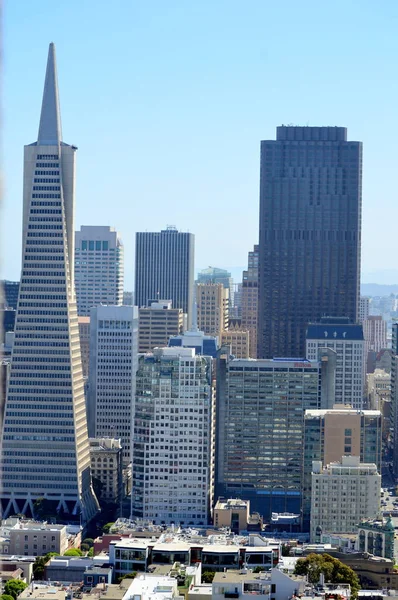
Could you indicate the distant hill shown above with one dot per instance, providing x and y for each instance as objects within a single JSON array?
[{"x": 378, "y": 289}]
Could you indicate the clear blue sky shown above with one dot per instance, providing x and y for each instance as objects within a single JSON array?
[{"x": 168, "y": 100}]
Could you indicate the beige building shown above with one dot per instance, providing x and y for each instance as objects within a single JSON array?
[
  {"x": 238, "y": 339},
  {"x": 84, "y": 333},
  {"x": 343, "y": 494},
  {"x": 36, "y": 539},
  {"x": 233, "y": 513},
  {"x": 157, "y": 324},
  {"x": 212, "y": 301},
  {"x": 249, "y": 300},
  {"x": 106, "y": 466},
  {"x": 378, "y": 385},
  {"x": 43, "y": 592}
]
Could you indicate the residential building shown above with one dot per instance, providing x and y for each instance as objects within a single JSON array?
[
  {"x": 347, "y": 340},
  {"x": 106, "y": 466},
  {"x": 84, "y": 336},
  {"x": 233, "y": 513},
  {"x": 246, "y": 584},
  {"x": 157, "y": 323},
  {"x": 172, "y": 437},
  {"x": 375, "y": 332},
  {"x": 212, "y": 308},
  {"x": 343, "y": 494},
  {"x": 206, "y": 345},
  {"x": 310, "y": 232},
  {"x": 113, "y": 364},
  {"x": 260, "y": 408},
  {"x": 364, "y": 309},
  {"x": 249, "y": 301},
  {"x": 37, "y": 539},
  {"x": 9, "y": 294},
  {"x": 239, "y": 341},
  {"x": 333, "y": 433},
  {"x": 164, "y": 268},
  {"x": 376, "y": 536},
  {"x": 99, "y": 267},
  {"x": 43, "y": 592},
  {"x": 394, "y": 396},
  {"x": 71, "y": 569},
  {"x": 45, "y": 428},
  {"x": 215, "y": 275}
]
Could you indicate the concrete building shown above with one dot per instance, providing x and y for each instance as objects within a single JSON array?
[
  {"x": 164, "y": 268},
  {"x": 216, "y": 275},
  {"x": 310, "y": 232},
  {"x": 9, "y": 294},
  {"x": 375, "y": 333},
  {"x": 172, "y": 437},
  {"x": 154, "y": 587},
  {"x": 71, "y": 569},
  {"x": 42, "y": 591},
  {"x": 347, "y": 340},
  {"x": 260, "y": 407},
  {"x": 106, "y": 466},
  {"x": 343, "y": 494},
  {"x": 246, "y": 584},
  {"x": 37, "y": 539},
  {"x": 212, "y": 308},
  {"x": 233, "y": 513},
  {"x": 378, "y": 387},
  {"x": 84, "y": 335},
  {"x": 239, "y": 341},
  {"x": 249, "y": 300},
  {"x": 205, "y": 345},
  {"x": 394, "y": 396},
  {"x": 99, "y": 267},
  {"x": 376, "y": 536},
  {"x": 157, "y": 323},
  {"x": 45, "y": 427},
  {"x": 331, "y": 434},
  {"x": 364, "y": 309},
  {"x": 113, "y": 364}
]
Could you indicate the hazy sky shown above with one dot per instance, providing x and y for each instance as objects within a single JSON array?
[{"x": 168, "y": 100}]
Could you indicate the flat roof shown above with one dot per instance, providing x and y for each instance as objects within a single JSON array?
[{"x": 237, "y": 577}]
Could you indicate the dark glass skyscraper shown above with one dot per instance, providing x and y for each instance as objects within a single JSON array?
[{"x": 310, "y": 234}]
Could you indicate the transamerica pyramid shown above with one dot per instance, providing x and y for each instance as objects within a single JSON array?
[{"x": 45, "y": 450}]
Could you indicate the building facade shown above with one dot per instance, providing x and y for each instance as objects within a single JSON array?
[
  {"x": 45, "y": 451},
  {"x": 375, "y": 331},
  {"x": 249, "y": 300},
  {"x": 206, "y": 345},
  {"x": 343, "y": 494},
  {"x": 310, "y": 234},
  {"x": 212, "y": 308},
  {"x": 216, "y": 275},
  {"x": 364, "y": 308},
  {"x": 9, "y": 294},
  {"x": 347, "y": 340},
  {"x": 157, "y": 324},
  {"x": 172, "y": 437},
  {"x": 376, "y": 536},
  {"x": 106, "y": 466},
  {"x": 37, "y": 539},
  {"x": 84, "y": 335},
  {"x": 164, "y": 268},
  {"x": 333, "y": 433},
  {"x": 239, "y": 341},
  {"x": 113, "y": 364},
  {"x": 99, "y": 267}
]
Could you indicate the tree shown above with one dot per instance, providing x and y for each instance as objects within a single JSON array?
[
  {"x": 14, "y": 587},
  {"x": 258, "y": 569},
  {"x": 91, "y": 552},
  {"x": 106, "y": 528},
  {"x": 88, "y": 541},
  {"x": 73, "y": 552},
  {"x": 333, "y": 569},
  {"x": 6, "y": 597},
  {"x": 127, "y": 576},
  {"x": 40, "y": 563},
  {"x": 207, "y": 577}
]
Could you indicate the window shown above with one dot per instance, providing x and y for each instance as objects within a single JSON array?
[{"x": 84, "y": 244}]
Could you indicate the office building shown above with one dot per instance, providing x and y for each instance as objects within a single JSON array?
[
  {"x": 394, "y": 395},
  {"x": 249, "y": 302},
  {"x": 205, "y": 345},
  {"x": 9, "y": 294},
  {"x": 364, "y": 308},
  {"x": 106, "y": 466},
  {"x": 347, "y": 340},
  {"x": 310, "y": 234},
  {"x": 45, "y": 451},
  {"x": 343, "y": 494},
  {"x": 215, "y": 275},
  {"x": 238, "y": 340},
  {"x": 237, "y": 305},
  {"x": 113, "y": 364},
  {"x": 331, "y": 434},
  {"x": 164, "y": 268},
  {"x": 84, "y": 336},
  {"x": 375, "y": 332},
  {"x": 212, "y": 308},
  {"x": 7, "y": 316},
  {"x": 172, "y": 437},
  {"x": 378, "y": 389},
  {"x": 99, "y": 267},
  {"x": 157, "y": 323},
  {"x": 260, "y": 414}
]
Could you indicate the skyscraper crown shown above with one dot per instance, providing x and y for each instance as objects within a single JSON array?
[{"x": 50, "y": 132}]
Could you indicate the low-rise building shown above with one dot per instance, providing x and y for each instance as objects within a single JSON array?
[
  {"x": 106, "y": 466},
  {"x": 33, "y": 538},
  {"x": 152, "y": 587},
  {"x": 42, "y": 591},
  {"x": 233, "y": 513},
  {"x": 71, "y": 569},
  {"x": 245, "y": 584},
  {"x": 376, "y": 536},
  {"x": 17, "y": 563}
]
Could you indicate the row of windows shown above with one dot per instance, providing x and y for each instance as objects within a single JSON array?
[
  {"x": 46, "y": 195},
  {"x": 47, "y": 166},
  {"x": 43, "y": 234},
  {"x": 46, "y": 180},
  {"x": 54, "y": 188},
  {"x": 94, "y": 245},
  {"x": 41, "y": 304},
  {"x": 47, "y": 172},
  {"x": 47, "y": 157},
  {"x": 41, "y": 226},
  {"x": 38, "y": 453}
]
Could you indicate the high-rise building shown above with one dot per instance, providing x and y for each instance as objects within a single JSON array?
[
  {"x": 260, "y": 412},
  {"x": 394, "y": 395},
  {"x": 113, "y": 365},
  {"x": 99, "y": 267},
  {"x": 157, "y": 324},
  {"x": 364, "y": 308},
  {"x": 249, "y": 302},
  {"x": 84, "y": 336},
  {"x": 106, "y": 466},
  {"x": 343, "y": 494},
  {"x": 375, "y": 332},
  {"x": 310, "y": 234},
  {"x": 216, "y": 275},
  {"x": 9, "y": 294},
  {"x": 346, "y": 339},
  {"x": 45, "y": 450},
  {"x": 212, "y": 308},
  {"x": 164, "y": 268},
  {"x": 172, "y": 437},
  {"x": 332, "y": 433},
  {"x": 239, "y": 341},
  {"x": 237, "y": 305}
]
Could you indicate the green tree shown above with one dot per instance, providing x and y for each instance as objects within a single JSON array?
[
  {"x": 207, "y": 577},
  {"x": 14, "y": 587},
  {"x": 127, "y": 576},
  {"x": 91, "y": 551},
  {"x": 258, "y": 569},
  {"x": 88, "y": 541},
  {"x": 106, "y": 528},
  {"x": 73, "y": 552},
  {"x": 6, "y": 597},
  {"x": 333, "y": 569}
]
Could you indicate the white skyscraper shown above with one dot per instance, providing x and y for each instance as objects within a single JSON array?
[
  {"x": 45, "y": 450},
  {"x": 99, "y": 268},
  {"x": 113, "y": 365},
  {"x": 172, "y": 437}
]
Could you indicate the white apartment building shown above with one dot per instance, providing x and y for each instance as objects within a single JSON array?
[
  {"x": 172, "y": 437},
  {"x": 342, "y": 495},
  {"x": 99, "y": 267},
  {"x": 113, "y": 364},
  {"x": 347, "y": 340}
]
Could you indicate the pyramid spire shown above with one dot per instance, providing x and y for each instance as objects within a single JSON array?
[{"x": 50, "y": 133}]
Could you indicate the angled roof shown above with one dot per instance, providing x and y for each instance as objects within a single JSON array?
[{"x": 50, "y": 132}]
